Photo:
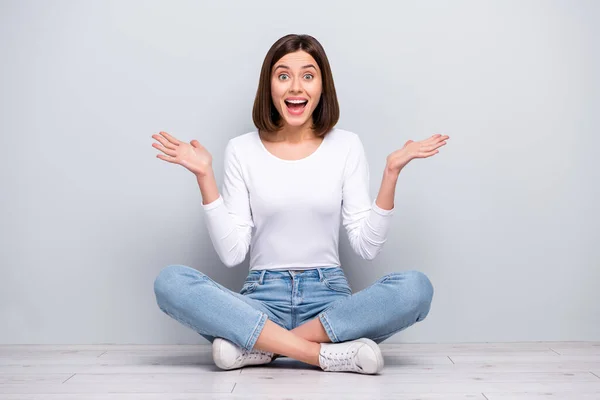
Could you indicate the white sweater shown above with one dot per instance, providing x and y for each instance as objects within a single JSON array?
[{"x": 288, "y": 211}]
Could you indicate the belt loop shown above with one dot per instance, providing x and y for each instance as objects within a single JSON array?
[
  {"x": 320, "y": 274},
  {"x": 262, "y": 275}
]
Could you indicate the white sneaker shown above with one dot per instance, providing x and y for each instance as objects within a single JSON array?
[
  {"x": 361, "y": 355},
  {"x": 228, "y": 355}
]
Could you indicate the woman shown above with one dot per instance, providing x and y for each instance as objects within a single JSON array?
[{"x": 286, "y": 186}]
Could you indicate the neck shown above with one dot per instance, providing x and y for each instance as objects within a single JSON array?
[{"x": 293, "y": 134}]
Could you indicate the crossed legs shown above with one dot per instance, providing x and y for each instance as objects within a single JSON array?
[
  {"x": 301, "y": 343},
  {"x": 393, "y": 303}
]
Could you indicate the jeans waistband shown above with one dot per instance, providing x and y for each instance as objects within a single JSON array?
[{"x": 265, "y": 274}]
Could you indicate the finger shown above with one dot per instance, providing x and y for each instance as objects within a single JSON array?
[
  {"x": 427, "y": 154},
  {"x": 170, "y": 138},
  {"x": 167, "y": 158},
  {"x": 438, "y": 145},
  {"x": 437, "y": 138},
  {"x": 169, "y": 152},
  {"x": 164, "y": 142},
  {"x": 431, "y": 147},
  {"x": 197, "y": 145},
  {"x": 431, "y": 139}
]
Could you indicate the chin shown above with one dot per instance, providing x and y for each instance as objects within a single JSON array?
[{"x": 296, "y": 122}]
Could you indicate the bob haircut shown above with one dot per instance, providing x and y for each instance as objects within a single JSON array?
[{"x": 325, "y": 115}]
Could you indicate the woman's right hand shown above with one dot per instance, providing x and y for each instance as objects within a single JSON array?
[{"x": 192, "y": 156}]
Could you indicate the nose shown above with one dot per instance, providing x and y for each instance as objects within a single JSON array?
[{"x": 296, "y": 86}]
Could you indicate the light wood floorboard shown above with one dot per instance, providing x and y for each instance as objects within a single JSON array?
[{"x": 475, "y": 371}]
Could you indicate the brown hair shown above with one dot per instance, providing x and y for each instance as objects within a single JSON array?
[{"x": 326, "y": 114}]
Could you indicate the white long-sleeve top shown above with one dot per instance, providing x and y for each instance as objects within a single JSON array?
[{"x": 288, "y": 211}]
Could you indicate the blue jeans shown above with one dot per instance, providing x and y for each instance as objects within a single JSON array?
[{"x": 290, "y": 298}]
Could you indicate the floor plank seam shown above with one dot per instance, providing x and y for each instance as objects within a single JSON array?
[
  {"x": 554, "y": 351},
  {"x": 595, "y": 375},
  {"x": 69, "y": 378},
  {"x": 483, "y": 394},
  {"x": 102, "y": 354},
  {"x": 450, "y": 360}
]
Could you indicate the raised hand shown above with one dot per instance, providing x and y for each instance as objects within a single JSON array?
[
  {"x": 411, "y": 150},
  {"x": 192, "y": 156}
]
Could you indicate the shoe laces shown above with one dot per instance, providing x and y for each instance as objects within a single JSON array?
[
  {"x": 342, "y": 360},
  {"x": 254, "y": 353}
]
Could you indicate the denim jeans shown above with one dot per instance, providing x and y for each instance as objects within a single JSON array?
[{"x": 290, "y": 298}]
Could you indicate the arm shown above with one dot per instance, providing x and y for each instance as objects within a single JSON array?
[
  {"x": 387, "y": 191},
  {"x": 228, "y": 217},
  {"x": 208, "y": 187},
  {"x": 398, "y": 160},
  {"x": 366, "y": 222}
]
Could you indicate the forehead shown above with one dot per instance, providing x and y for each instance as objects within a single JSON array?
[{"x": 296, "y": 60}]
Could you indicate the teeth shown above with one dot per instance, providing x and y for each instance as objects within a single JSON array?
[{"x": 297, "y": 101}]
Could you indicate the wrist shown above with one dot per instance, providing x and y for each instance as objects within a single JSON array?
[
  {"x": 208, "y": 172},
  {"x": 391, "y": 173}
]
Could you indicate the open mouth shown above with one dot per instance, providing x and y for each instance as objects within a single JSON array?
[{"x": 296, "y": 106}]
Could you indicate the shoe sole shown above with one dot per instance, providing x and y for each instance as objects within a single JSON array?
[{"x": 376, "y": 350}]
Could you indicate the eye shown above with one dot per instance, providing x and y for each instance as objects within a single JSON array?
[
  {"x": 311, "y": 76},
  {"x": 280, "y": 75}
]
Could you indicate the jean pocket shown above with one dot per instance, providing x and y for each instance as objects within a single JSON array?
[
  {"x": 338, "y": 282},
  {"x": 249, "y": 287}
]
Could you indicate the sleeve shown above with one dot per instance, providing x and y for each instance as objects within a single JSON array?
[
  {"x": 229, "y": 218},
  {"x": 366, "y": 224}
]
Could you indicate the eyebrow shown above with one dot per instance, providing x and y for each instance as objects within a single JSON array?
[{"x": 305, "y": 66}]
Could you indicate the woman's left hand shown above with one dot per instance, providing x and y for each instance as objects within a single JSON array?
[{"x": 411, "y": 150}]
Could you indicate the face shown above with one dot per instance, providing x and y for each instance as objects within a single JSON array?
[{"x": 296, "y": 78}]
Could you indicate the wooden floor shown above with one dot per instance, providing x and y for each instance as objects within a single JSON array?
[{"x": 483, "y": 371}]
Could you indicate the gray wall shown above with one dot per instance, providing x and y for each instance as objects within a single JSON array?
[{"x": 502, "y": 220}]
